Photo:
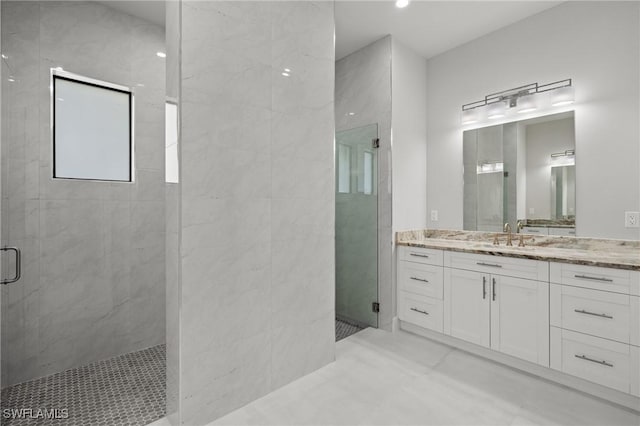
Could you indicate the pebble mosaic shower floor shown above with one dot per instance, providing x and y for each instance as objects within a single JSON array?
[
  {"x": 125, "y": 390},
  {"x": 345, "y": 329}
]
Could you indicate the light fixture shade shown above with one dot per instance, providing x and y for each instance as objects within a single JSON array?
[
  {"x": 496, "y": 110},
  {"x": 527, "y": 104},
  {"x": 469, "y": 116},
  {"x": 563, "y": 96}
]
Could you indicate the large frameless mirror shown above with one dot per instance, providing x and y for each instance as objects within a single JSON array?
[{"x": 522, "y": 171}]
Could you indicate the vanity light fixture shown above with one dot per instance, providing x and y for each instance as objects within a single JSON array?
[
  {"x": 469, "y": 116},
  {"x": 526, "y": 104},
  {"x": 489, "y": 167},
  {"x": 496, "y": 110},
  {"x": 566, "y": 158},
  {"x": 161, "y": 54},
  {"x": 567, "y": 153},
  {"x": 563, "y": 96},
  {"x": 522, "y": 99},
  {"x": 401, "y": 4}
]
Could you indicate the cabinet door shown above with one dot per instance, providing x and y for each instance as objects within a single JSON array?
[
  {"x": 467, "y": 305},
  {"x": 520, "y": 318}
]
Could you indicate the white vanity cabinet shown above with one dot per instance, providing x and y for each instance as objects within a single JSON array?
[
  {"x": 420, "y": 287},
  {"x": 595, "y": 324},
  {"x": 506, "y": 309},
  {"x": 572, "y": 321}
]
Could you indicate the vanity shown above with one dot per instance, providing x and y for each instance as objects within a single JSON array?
[{"x": 563, "y": 308}]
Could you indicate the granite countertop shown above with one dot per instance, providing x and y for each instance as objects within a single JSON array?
[{"x": 620, "y": 254}]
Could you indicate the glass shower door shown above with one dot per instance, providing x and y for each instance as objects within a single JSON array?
[{"x": 357, "y": 225}]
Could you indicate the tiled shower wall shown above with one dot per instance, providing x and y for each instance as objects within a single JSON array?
[
  {"x": 363, "y": 87},
  {"x": 93, "y": 252},
  {"x": 257, "y": 242}
]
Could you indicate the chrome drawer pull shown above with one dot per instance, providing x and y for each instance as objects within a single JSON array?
[
  {"x": 493, "y": 265},
  {"x": 582, "y": 311},
  {"x": 484, "y": 287},
  {"x": 586, "y": 277},
  {"x": 418, "y": 310},
  {"x": 586, "y": 358},
  {"x": 419, "y": 255},
  {"x": 419, "y": 279},
  {"x": 493, "y": 290}
]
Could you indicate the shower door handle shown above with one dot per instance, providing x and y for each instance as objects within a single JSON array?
[{"x": 18, "y": 265}]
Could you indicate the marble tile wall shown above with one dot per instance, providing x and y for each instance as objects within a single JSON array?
[
  {"x": 93, "y": 252},
  {"x": 363, "y": 86},
  {"x": 257, "y": 200}
]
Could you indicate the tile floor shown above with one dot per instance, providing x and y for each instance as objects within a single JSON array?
[
  {"x": 345, "y": 329},
  {"x": 382, "y": 378},
  {"x": 125, "y": 390}
]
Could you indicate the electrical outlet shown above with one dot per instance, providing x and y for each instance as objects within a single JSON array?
[
  {"x": 434, "y": 215},
  {"x": 632, "y": 219}
]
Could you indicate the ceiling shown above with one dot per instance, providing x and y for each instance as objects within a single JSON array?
[{"x": 428, "y": 27}]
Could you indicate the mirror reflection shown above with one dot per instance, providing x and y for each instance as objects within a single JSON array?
[{"x": 523, "y": 172}]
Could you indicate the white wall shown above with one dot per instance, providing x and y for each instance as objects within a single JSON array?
[
  {"x": 409, "y": 138},
  {"x": 597, "y": 44}
]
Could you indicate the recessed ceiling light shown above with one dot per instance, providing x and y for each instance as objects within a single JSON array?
[
  {"x": 402, "y": 3},
  {"x": 286, "y": 74},
  {"x": 161, "y": 54},
  {"x": 11, "y": 79},
  {"x": 287, "y": 70},
  {"x": 351, "y": 113},
  {"x": 4, "y": 56}
]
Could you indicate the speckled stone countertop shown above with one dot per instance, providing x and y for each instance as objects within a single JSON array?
[{"x": 620, "y": 254}]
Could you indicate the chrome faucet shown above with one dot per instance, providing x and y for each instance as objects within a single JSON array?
[
  {"x": 507, "y": 229},
  {"x": 519, "y": 227}
]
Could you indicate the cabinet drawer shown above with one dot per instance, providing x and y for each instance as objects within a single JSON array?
[
  {"x": 421, "y": 255},
  {"x": 421, "y": 279},
  {"x": 595, "y": 277},
  {"x": 419, "y": 310},
  {"x": 591, "y": 358},
  {"x": 498, "y": 265},
  {"x": 594, "y": 312},
  {"x": 535, "y": 230}
]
